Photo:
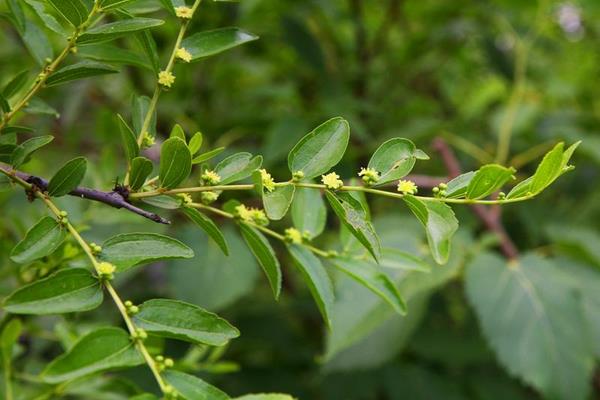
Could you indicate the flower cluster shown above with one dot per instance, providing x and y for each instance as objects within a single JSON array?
[
  {"x": 293, "y": 235},
  {"x": 440, "y": 190},
  {"x": 166, "y": 78},
  {"x": 186, "y": 199},
  {"x": 407, "y": 187},
  {"x": 267, "y": 180},
  {"x": 184, "y": 12},
  {"x": 252, "y": 215},
  {"x": 183, "y": 55},
  {"x": 106, "y": 270},
  {"x": 369, "y": 176},
  {"x": 332, "y": 181},
  {"x": 210, "y": 177}
]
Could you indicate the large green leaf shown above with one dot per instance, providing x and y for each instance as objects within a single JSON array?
[
  {"x": 112, "y": 54},
  {"x": 532, "y": 320},
  {"x": 394, "y": 159},
  {"x": 548, "y": 169},
  {"x": 439, "y": 222},
  {"x": 100, "y": 350},
  {"x": 39, "y": 7},
  {"x": 354, "y": 217},
  {"x": 487, "y": 180},
  {"x": 309, "y": 212},
  {"x": 372, "y": 276},
  {"x": 114, "y": 30},
  {"x": 237, "y": 167},
  {"x": 132, "y": 149},
  {"x": 73, "y": 11},
  {"x": 265, "y": 396},
  {"x": 321, "y": 149},
  {"x": 127, "y": 250},
  {"x": 190, "y": 387},
  {"x": 112, "y": 4},
  {"x": 265, "y": 255},
  {"x": 68, "y": 177},
  {"x": 204, "y": 44},
  {"x": 184, "y": 321},
  {"x": 80, "y": 70},
  {"x": 141, "y": 168},
  {"x": 40, "y": 240},
  {"x": 457, "y": 187},
  {"x": 316, "y": 278},
  {"x": 207, "y": 226},
  {"x": 175, "y": 162},
  {"x": 278, "y": 201},
  {"x": 68, "y": 290},
  {"x": 28, "y": 147}
]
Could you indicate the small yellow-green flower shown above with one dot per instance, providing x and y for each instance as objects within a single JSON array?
[
  {"x": 407, "y": 187},
  {"x": 185, "y": 198},
  {"x": 184, "y": 12},
  {"x": 147, "y": 140},
  {"x": 210, "y": 177},
  {"x": 106, "y": 270},
  {"x": 183, "y": 54},
  {"x": 166, "y": 78},
  {"x": 369, "y": 175},
  {"x": 332, "y": 181},
  {"x": 293, "y": 235},
  {"x": 253, "y": 215},
  {"x": 208, "y": 197},
  {"x": 267, "y": 180},
  {"x": 298, "y": 176}
]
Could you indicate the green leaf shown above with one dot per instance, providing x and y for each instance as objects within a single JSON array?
[
  {"x": 68, "y": 290},
  {"x": 68, "y": 177},
  {"x": 141, "y": 167},
  {"x": 521, "y": 189},
  {"x": 38, "y": 106},
  {"x": 164, "y": 201},
  {"x": 112, "y": 4},
  {"x": 309, "y": 213},
  {"x": 207, "y": 226},
  {"x": 439, "y": 222},
  {"x": 175, "y": 163},
  {"x": 10, "y": 334},
  {"x": 190, "y": 387},
  {"x": 114, "y": 30},
  {"x": 532, "y": 319},
  {"x": 195, "y": 143},
  {"x": 393, "y": 160},
  {"x": 100, "y": 350},
  {"x": 372, "y": 276},
  {"x": 487, "y": 180},
  {"x": 316, "y": 278},
  {"x": 112, "y": 54},
  {"x": 132, "y": 150},
  {"x": 184, "y": 321},
  {"x": 140, "y": 105},
  {"x": 402, "y": 260},
  {"x": 237, "y": 167},
  {"x": 148, "y": 45},
  {"x": 354, "y": 217},
  {"x": 37, "y": 43},
  {"x": 127, "y": 250},
  {"x": 265, "y": 255},
  {"x": 208, "y": 155},
  {"x": 278, "y": 201},
  {"x": 321, "y": 149},
  {"x": 457, "y": 187},
  {"x": 177, "y": 131},
  {"x": 28, "y": 147},
  {"x": 80, "y": 70},
  {"x": 548, "y": 170},
  {"x": 48, "y": 19},
  {"x": 74, "y": 11},
  {"x": 39, "y": 241},
  {"x": 208, "y": 43},
  {"x": 15, "y": 84}
]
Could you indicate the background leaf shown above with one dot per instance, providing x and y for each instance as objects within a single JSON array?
[
  {"x": 309, "y": 212},
  {"x": 278, "y": 201}
]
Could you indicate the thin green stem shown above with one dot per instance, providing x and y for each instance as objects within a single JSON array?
[
  {"x": 95, "y": 263},
  {"x": 50, "y": 68},
  {"x": 319, "y": 186}
]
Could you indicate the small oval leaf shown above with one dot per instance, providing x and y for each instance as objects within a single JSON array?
[
  {"x": 208, "y": 226},
  {"x": 184, "y": 321},
  {"x": 321, "y": 149},
  {"x": 237, "y": 167},
  {"x": 141, "y": 168},
  {"x": 265, "y": 255},
  {"x": 80, "y": 70},
  {"x": 487, "y": 180},
  {"x": 127, "y": 250},
  {"x": 175, "y": 162},
  {"x": 393, "y": 160},
  {"x": 40, "y": 240},
  {"x": 190, "y": 387},
  {"x": 68, "y": 177},
  {"x": 68, "y": 290},
  {"x": 309, "y": 212},
  {"x": 204, "y": 44},
  {"x": 278, "y": 201}
]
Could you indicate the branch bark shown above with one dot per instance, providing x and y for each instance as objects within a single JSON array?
[
  {"x": 115, "y": 198},
  {"x": 490, "y": 217}
]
